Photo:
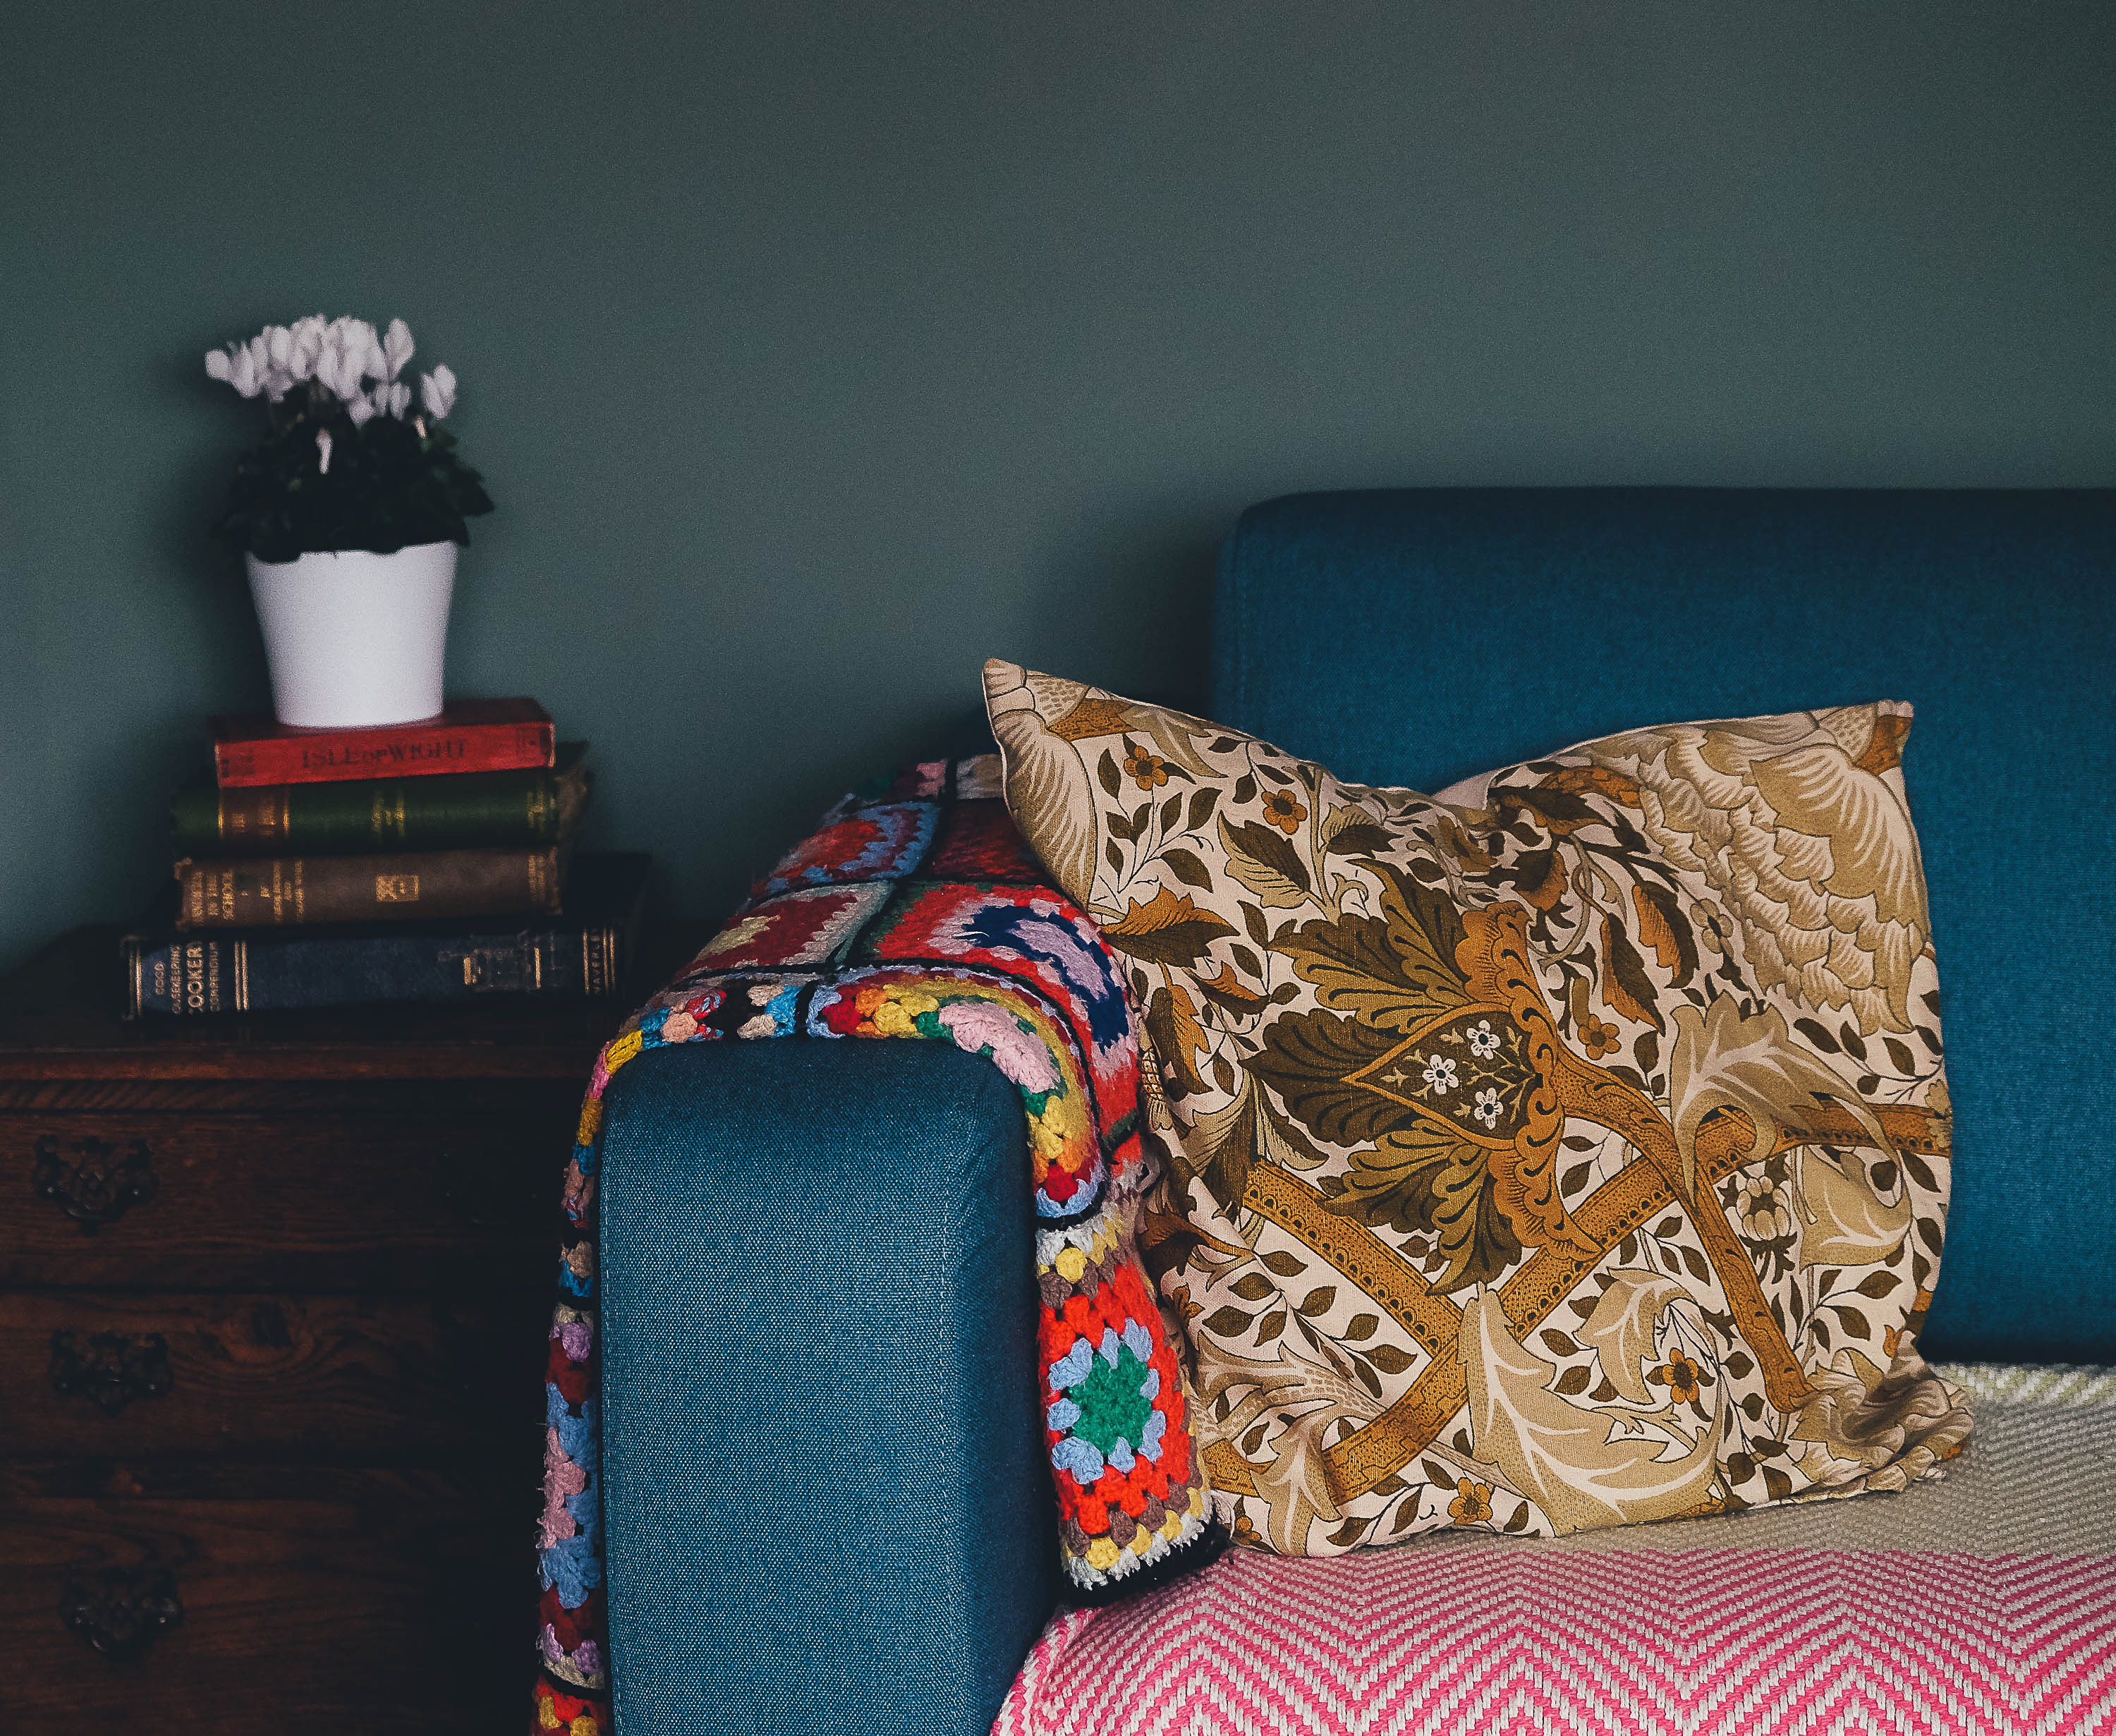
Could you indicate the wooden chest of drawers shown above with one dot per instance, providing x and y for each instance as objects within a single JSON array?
[{"x": 273, "y": 1300}]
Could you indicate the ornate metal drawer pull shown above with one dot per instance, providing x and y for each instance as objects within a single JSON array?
[
  {"x": 122, "y": 1611},
  {"x": 113, "y": 1369},
  {"x": 100, "y": 1186}
]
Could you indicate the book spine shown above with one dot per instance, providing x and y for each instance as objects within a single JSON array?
[
  {"x": 226, "y": 973},
  {"x": 489, "y": 811},
  {"x": 279, "y": 891},
  {"x": 410, "y": 750}
]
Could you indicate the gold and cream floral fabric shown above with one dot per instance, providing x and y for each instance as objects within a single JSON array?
[{"x": 1565, "y": 1149}]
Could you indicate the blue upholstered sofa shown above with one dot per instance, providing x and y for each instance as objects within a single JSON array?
[{"x": 826, "y": 1506}]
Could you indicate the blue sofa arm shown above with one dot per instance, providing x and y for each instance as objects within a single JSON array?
[{"x": 825, "y": 1496}]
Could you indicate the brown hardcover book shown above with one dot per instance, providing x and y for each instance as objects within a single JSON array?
[
  {"x": 469, "y": 735},
  {"x": 583, "y": 952},
  {"x": 276, "y": 891}
]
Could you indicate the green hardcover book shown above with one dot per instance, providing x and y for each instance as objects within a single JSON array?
[{"x": 473, "y": 810}]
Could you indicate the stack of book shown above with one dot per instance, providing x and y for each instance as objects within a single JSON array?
[{"x": 431, "y": 861}]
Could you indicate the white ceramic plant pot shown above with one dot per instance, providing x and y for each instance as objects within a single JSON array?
[{"x": 356, "y": 638}]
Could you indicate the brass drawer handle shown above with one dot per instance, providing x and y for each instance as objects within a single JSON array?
[
  {"x": 122, "y": 1611},
  {"x": 100, "y": 1186},
  {"x": 113, "y": 1369}
]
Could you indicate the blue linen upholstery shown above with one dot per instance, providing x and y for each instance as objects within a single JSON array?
[
  {"x": 827, "y": 1503},
  {"x": 1415, "y": 636}
]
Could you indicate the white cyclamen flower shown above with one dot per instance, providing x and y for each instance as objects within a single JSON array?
[
  {"x": 239, "y": 369},
  {"x": 323, "y": 450},
  {"x": 437, "y": 391},
  {"x": 338, "y": 360},
  {"x": 307, "y": 336},
  {"x": 350, "y": 356},
  {"x": 271, "y": 381},
  {"x": 397, "y": 349},
  {"x": 364, "y": 346},
  {"x": 329, "y": 354},
  {"x": 359, "y": 406},
  {"x": 400, "y": 399}
]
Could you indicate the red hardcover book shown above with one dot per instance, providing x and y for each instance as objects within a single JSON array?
[{"x": 469, "y": 735}]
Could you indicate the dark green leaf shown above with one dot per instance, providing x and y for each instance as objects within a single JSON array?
[
  {"x": 1817, "y": 1033},
  {"x": 1267, "y": 845},
  {"x": 1361, "y": 838},
  {"x": 1189, "y": 869},
  {"x": 1626, "y": 987}
]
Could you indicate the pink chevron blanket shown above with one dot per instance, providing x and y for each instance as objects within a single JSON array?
[{"x": 1982, "y": 1604}]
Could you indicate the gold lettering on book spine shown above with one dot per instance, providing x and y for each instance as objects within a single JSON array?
[{"x": 396, "y": 889}]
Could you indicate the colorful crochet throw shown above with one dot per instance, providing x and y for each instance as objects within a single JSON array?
[{"x": 918, "y": 912}]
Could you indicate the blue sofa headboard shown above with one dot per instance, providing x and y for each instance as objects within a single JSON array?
[{"x": 1415, "y": 635}]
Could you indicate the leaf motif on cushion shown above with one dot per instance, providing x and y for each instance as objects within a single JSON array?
[
  {"x": 1264, "y": 861},
  {"x": 1229, "y": 993},
  {"x": 1627, "y": 990},
  {"x": 1664, "y": 928},
  {"x": 1570, "y": 1461},
  {"x": 1722, "y": 1060},
  {"x": 1621, "y": 1330},
  {"x": 1392, "y": 971},
  {"x": 1168, "y": 929},
  {"x": 1172, "y": 1028}
]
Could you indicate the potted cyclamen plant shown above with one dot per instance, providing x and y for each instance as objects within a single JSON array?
[{"x": 349, "y": 512}]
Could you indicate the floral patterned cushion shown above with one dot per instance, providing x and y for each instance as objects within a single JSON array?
[{"x": 1565, "y": 1149}]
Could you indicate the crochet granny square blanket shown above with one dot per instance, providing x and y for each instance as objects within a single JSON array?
[{"x": 917, "y": 911}]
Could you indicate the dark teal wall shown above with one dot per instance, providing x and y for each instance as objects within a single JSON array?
[{"x": 815, "y": 352}]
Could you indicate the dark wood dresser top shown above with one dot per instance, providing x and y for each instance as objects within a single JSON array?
[{"x": 59, "y": 1019}]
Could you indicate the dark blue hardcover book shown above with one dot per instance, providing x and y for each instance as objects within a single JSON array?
[{"x": 582, "y": 952}]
